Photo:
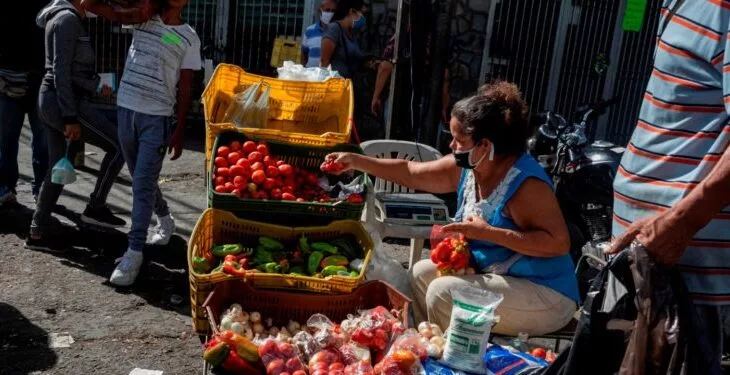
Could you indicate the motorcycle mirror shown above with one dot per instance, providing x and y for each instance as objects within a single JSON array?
[{"x": 548, "y": 131}]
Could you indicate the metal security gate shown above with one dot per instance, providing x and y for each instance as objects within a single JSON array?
[{"x": 565, "y": 53}]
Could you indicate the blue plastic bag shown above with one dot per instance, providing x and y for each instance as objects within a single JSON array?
[
  {"x": 63, "y": 172},
  {"x": 499, "y": 360}
]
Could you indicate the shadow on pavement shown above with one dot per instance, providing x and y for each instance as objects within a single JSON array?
[
  {"x": 164, "y": 272},
  {"x": 24, "y": 347}
]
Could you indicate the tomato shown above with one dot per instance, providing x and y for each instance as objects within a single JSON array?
[
  {"x": 236, "y": 192},
  {"x": 229, "y": 187},
  {"x": 221, "y": 162},
  {"x": 355, "y": 199},
  {"x": 258, "y": 177},
  {"x": 263, "y": 149},
  {"x": 272, "y": 171},
  {"x": 237, "y": 171},
  {"x": 220, "y": 180},
  {"x": 300, "y": 199},
  {"x": 275, "y": 367},
  {"x": 239, "y": 180},
  {"x": 233, "y": 157},
  {"x": 285, "y": 170},
  {"x": 287, "y": 350},
  {"x": 312, "y": 180},
  {"x": 252, "y": 189},
  {"x": 319, "y": 366},
  {"x": 235, "y": 146},
  {"x": 336, "y": 372},
  {"x": 279, "y": 182},
  {"x": 244, "y": 163},
  {"x": 223, "y": 151},
  {"x": 320, "y": 372},
  {"x": 249, "y": 147},
  {"x": 255, "y": 156},
  {"x": 223, "y": 172},
  {"x": 269, "y": 183},
  {"x": 245, "y": 195},
  {"x": 268, "y": 160},
  {"x": 220, "y": 189},
  {"x": 299, "y": 372},
  {"x": 288, "y": 196},
  {"x": 538, "y": 353},
  {"x": 337, "y": 366},
  {"x": 276, "y": 193},
  {"x": 279, "y": 163},
  {"x": 257, "y": 166},
  {"x": 288, "y": 189}
]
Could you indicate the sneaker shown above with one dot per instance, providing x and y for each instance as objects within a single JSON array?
[
  {"x": 164, "y": 230},
  {"x": 45, "y": 243},
  {"x": 102, "y": 216},
  {"x": 127, "y": 268}
]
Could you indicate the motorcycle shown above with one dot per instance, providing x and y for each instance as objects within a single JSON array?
[{"x": 582, "y": 174}]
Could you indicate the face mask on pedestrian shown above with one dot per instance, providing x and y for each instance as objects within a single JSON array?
[
  {"x": 464, "y": 158},
  {"x": 359, "y": 23},
  {"x": 326, "y": 17}
]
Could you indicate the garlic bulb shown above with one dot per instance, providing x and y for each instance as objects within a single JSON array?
[
  {"x": 434, "y": 351},
  {"x": 436, "y": 330},
  {"x": 438, "y": 341}
]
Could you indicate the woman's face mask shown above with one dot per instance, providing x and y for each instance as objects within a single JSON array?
[
  {"x": 326, "y": 17},
  {"x": 359, "y": 23},
  {"x": 464, "y": 158}
]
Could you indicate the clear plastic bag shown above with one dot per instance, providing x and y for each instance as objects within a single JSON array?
[
  {"x": 237, "y": 108},
  {"x": 279, "y": 357},
  {"x": 472, "y": 319},
  {"x": 405, "y": 356},
  {"x": 290, "y": 71},
  {"x": 261, "y": 109},
  {"x": 63, "y": 172},
  {"x": 385, "y": 268},
  {"x": 325, "y": 332},
  {"x": 450, "y": 252}
]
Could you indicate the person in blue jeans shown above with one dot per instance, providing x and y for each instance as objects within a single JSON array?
[
  {"x": 21, "y": 69},
  {"x": 157, "y": 79}
]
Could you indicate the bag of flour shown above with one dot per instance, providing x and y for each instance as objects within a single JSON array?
[{"x": 472, "y": 319}]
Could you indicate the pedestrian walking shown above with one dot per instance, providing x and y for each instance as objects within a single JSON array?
[
  {"x": 68, "y": 115},
  {"x": 21, "y": 69},
  {"x": 157, "y": 79}
]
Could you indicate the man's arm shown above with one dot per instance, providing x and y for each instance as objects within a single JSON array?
[
  {"x": 385, "y": 69},
  {"x": 184, "y": 99},
  {"x": 127, "y": 16}
]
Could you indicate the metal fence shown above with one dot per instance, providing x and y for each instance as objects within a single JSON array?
[{"x": 562, "y": 53}]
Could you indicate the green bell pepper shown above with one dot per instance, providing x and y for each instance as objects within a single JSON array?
[
  {"x": 201, "y": 265},
  {"x": 313, "y": 262},
  {"x": 333, "y": 270}
]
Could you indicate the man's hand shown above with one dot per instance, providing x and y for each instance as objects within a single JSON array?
[
  {"x": 375, "y": 107},
  {"x": 176, "y": 143},
  {"x": 665, "y": 236},
  {"x": 473, "y": 228},
  {"x": 72, "y": 132}
]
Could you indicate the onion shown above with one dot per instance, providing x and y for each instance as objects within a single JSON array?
[
  {"x": 244, "y": 317},
  {"x": 434, "y": 351},
  {"x": 293, "y": 326},
  {"x": 258, "y": 328},
  {"x": 226, "y": 322},
  {"x": 436, "y": 330},
  {"x": 283, "y": 335},
  {"x": 235, "y": 307},
  {"x": 424, "y": 325},
  {"x": 273, "y": 331},
  {"x": 426, "y": 333},
  {"x": 247, "y": 332},
  {"x": 238, "y": 327},
  {"x": 438, "y": 341},
  {"x": 255, "y": 317}
]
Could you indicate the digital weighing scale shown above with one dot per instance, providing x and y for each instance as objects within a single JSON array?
[{"x": 406, "y": 208}]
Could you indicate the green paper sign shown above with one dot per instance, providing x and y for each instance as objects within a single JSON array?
[{"x": 634, "y": 16}]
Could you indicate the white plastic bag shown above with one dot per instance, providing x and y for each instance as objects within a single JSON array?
[
  {"x": 261, "y": 109},
  {"x": 290, "y": 71},
  {"x": 234, "y": 113},
  {"x": 382, "y": 267},
  {"x": 472, "y": 318}
]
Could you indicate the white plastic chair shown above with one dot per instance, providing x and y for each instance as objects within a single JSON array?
[{"x": 393, "y": 149}]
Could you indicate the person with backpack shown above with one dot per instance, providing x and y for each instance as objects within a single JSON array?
[{"x": 156, "y": 82}]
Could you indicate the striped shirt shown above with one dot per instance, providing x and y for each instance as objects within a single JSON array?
[
  {"x": 157, "y": 55},
  {"x": 312, "y": 44},
  {"x": 681, "y": 134}
]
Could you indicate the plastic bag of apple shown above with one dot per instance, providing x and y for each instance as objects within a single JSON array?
[
  {"x": 249, "y": 171},
  {"x": 373, "y": 342}
]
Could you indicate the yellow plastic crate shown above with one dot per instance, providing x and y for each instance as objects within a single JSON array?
[
  {"x": 310, "y": 113},
  {"x": 285, "y": 50},
  {"x": 215, "y": 227}
]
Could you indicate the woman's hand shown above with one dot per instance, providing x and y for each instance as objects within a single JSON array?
[
  {"x": 72, "y": 132},
  {"x": 473, "y": 228},
  {"x": 346, "y": 159}
]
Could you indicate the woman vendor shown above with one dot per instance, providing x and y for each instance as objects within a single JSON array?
[{"x": 506, "y": 210}]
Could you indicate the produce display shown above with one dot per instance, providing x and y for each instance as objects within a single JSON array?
[
  {"x": 249, "y": 171},
  {"x": 338, "y": 257}
]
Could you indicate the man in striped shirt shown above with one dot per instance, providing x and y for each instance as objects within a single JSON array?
[
  {"x": 672, "y": 189},
  {"x": 312, "y": 38}
]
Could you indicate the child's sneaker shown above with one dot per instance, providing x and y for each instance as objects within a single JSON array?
[
  {"x": 163, "y": 231},
  {"x": 127, "y": 269}
]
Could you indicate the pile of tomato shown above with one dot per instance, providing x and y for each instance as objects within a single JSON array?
[{"x": 248, "y": 170}]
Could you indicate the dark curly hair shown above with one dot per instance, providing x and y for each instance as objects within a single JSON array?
[{"x": 498, "y": 114}]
